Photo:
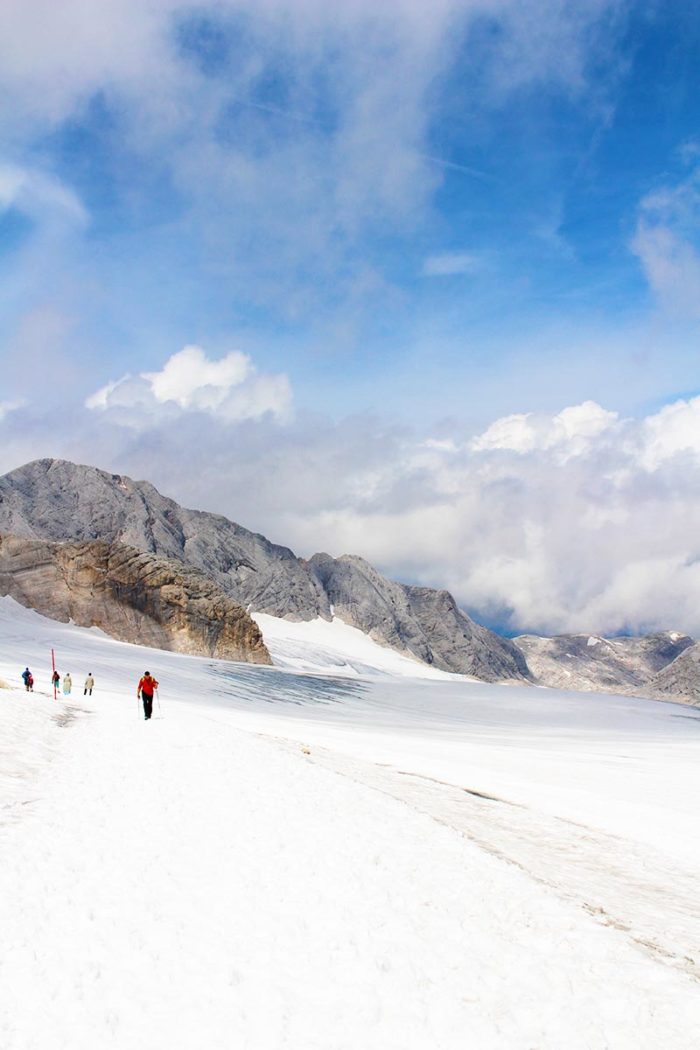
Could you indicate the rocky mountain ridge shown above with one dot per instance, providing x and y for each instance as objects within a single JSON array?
[
  {"x": 424, "y": 621},
  {"x": 633, "y": 666},
  {"x": 56, "y": 500}
]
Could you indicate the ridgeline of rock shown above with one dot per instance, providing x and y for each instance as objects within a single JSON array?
[
  {"x": 424, "y": 621},
  {"x": 149, "y": 545},
  {"x": 56, "y": 500},
  {"x": 131, "y": 595},
  {"x": 634, "y": 666}
]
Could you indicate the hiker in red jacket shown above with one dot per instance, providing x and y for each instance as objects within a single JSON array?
[{"x": 146, "y": 688}]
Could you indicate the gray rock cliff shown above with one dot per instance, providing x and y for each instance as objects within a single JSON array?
[{"x": 417, "y": 620}]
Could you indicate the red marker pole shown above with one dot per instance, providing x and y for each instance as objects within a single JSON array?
[{"x": 53, "y": 673}]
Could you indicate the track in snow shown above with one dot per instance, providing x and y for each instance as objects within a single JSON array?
[{"x": 628, "y": 886}]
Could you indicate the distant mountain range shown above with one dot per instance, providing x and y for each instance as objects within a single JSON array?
[
  {"x": 662, "y": 666},
  {"x": 58, "y": 502}
]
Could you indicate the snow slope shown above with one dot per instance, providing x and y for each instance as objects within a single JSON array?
[
  {"x": 333, "y": 647},
  {"x": 287, "y": 860}
]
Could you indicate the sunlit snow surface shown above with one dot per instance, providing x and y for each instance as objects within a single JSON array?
[
  {"x": 288, "y": 859},
  {"x": 333, "y": 647}
]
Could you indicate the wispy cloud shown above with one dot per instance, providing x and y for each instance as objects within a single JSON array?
[
  {"x": 9, "y": 406},
  {"x": 463, "y": 169},
  {"x": 40, "y": 196},
  {"x": 283, "y": 214},
  {"x": 667, "y": 240},
  {"x": 451, "y": 264}
]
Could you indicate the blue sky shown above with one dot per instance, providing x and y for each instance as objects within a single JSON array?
[
  {"x": 414, "y": 222},
  {"x": 530, "y": 176}
]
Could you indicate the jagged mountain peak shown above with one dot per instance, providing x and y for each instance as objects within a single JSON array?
[{"x": 60, "y": 500}]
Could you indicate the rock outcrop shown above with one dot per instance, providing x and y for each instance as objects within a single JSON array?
[
  {"x": 679, "y": 680},
  {"x": 610, "y": 665},
  {"x": 56, "y": 500},
  {"x": 132, "y": 595},
  {"x": 419, "y": 620}
]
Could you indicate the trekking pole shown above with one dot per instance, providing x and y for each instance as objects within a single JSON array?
[
  {"x": 160, "y": 711},
  {"x": 138, "y": 705}
]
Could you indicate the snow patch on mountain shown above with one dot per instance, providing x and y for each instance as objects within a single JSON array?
[{"x": 334, "y": 647}]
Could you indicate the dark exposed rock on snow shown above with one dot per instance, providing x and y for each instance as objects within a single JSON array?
[
  {"x": 57, "y": 500},
  {"x": 612, "y": 665},
  {"x": 132, "y": 595}
]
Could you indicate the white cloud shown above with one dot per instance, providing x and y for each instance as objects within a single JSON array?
[
  {"x": 229, "y": 389},
  {"x": 118, "y": 392},
  {"x": 441, "y": 444},
  {"x": 577, "y": 521},
  {"x": 672, "y": 266},
  {"x": 9, "y": 406},
  {"x": 191, "y": 380},
  {"x": 266, "y": 395},
  {"x": 450, "y": 264},
  {"x": 570, "y": 432},
  {"x": 40, "y": 196},
  {"x": 674, "y": 430},
  {"x": 590, "y": 523},
  {"x": 515, "y": 432},
  {"x": 667, "y": 242}
]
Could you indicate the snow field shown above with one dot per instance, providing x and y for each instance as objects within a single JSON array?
[
  {"x": 28, "y": 740},
  {"x": 184, "y": 884},
  {"x": 189, "y": 883}
]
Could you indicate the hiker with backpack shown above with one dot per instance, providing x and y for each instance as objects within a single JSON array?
[{"x": 28, "y": 680}]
